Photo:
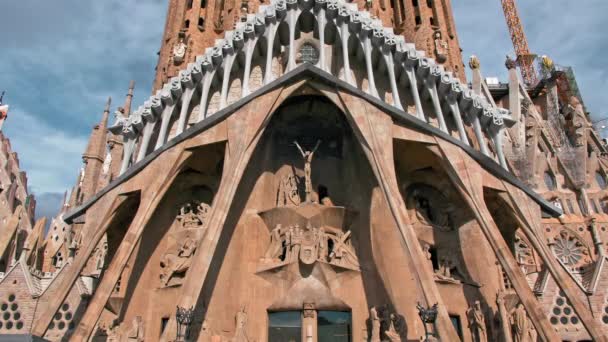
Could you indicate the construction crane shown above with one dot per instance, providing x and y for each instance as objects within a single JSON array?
[{"x": 524, "y": 58}]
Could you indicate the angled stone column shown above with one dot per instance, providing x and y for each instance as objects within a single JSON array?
[
  {"x": 467, "y": 177},
  {"x": 271, "y": 31},
  {"x": 169, "y": 96},
  {"x": 251, "y": 39},
  {"x": 150, "y": 198},
  {"x": 431, "y": 74},
  {"x": 229, "y": 53},
  {"x": 152, "y": 110},
  {"x": 322, "y": 20},
  {"x": 371, "y": 127},
  {"x": 469, "y": 104},
  {"x": 292, "y": 20},
  {"x": 129, "y": 128},
  {"x": 365, "y": 37},
  {"x": 188, "y": 85},
  {"x": 388, "y": 49},
  {"x": 495, "y": 127},
  {"x": 209, "y": 69},
  {"x": 412, "y": 58},
  {"x": 525, "y": 215},
  {"x": 245, "y": 128},
  {"x": 61, "y": 286},
  {"x": 342, "y": 17},
  {"x": 451, "y": 89}
]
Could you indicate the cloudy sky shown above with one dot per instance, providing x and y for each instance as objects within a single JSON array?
[{"x": 61, "y": 59}]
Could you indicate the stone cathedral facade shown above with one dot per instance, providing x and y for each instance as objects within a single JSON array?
[{"x": 320, "y": 170}]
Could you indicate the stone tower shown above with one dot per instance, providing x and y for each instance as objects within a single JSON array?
[{"x": 194, "y": 25}]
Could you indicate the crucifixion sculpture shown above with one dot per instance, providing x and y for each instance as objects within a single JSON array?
[{"x": 307, "y": 155}]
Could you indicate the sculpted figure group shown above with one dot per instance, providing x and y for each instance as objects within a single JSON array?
[
  {"x": 310, "y": 244},
  {"x": 177, "y": 258},
  {"x": 385, "y": 325}
]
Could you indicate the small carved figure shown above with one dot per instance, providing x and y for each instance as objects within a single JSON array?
[
  {"x": 137, "y": 330},
  {"x": 375, "y": 321},
  {"x": 477, "y": 323},
  {"x": 308, "y": 155},
  {"x": 288, "y": 191},
  {"x": 441, "y": 47},
  {"x": 240, "y": 334},
  {"x": 172, "y": 264},
  {"x": 275, "y": 247},
  {"x": 179, "y": 51},
  {"x": 393, "y": 333},
  {"x": 520, "y": 324},
  {"x": 342, "y": 253},
  {"x": 119, "y": 117}
]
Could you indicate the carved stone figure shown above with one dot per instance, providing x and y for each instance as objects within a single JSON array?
[
  {"x": 430, "y": 206},
  {"x": 136, "y": 333},
  {"x": 441, "y": 47},
  {"x": 342, "y": 253},
  {"x": 309, "y": 245},
  {"x": 179, "y": 51},
  {"x": 578, "y": 120},
  {"x": 240, "y": 334},
  {"x": 375, "y": 322},
  {"x": 177, "y": 263},
  {"x": 520, "y": 324},
  {"x": 477, "y": 323},
  {"x": 119, "y": 117},
  {"x": 288, "y": 191},
  {"x": 392, "y": 333},
  {"x": 275, "y": 248},
  {"x": 177, "y": 259},
  {"x": 307, "y": 155}
]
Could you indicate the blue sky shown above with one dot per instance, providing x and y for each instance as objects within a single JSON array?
[{"x": 61, "y": 59}]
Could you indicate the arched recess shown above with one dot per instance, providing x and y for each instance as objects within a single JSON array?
[
  {"x": 457, "y": 253},
  {"x": 340, "y": 168},
  {"x": 151, "y": 280}
]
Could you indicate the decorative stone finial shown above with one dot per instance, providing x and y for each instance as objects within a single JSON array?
[
  {"x": 474, "y": 62},
  {"x": 510, "y": 63}
]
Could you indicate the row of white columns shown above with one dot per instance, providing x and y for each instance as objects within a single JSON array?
[{"x": 423, "y": 76}]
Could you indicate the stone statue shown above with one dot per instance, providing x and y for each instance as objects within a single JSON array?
[
  {"x": 119, "y": 117},
  {"x": 172, "y": 264},
  {"x": 179, "y": 51},
  {"x": 342, "y": 253},
  {"x": 441, "y": 47},
  {"x": 137, "y": 330},
  {"x": 375, "y": 321},
  {"x": 275, "y": 248},
  {"x": 477, "y": 323},
  {"x": 177, "y": 258},
  {"x": 393, "y": 333},
  {"x": 288, "y": 191},
  {"x": 520, "y": 324},
  {"x": 307, "y": 155},
  {"x": 240, "y": 335}
]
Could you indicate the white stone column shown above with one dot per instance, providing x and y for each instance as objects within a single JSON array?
[
  {"x": 169, "y": 102},
  {"x": 188, "y": 86}
]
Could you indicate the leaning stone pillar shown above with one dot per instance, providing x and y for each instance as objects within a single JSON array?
[{"x": 467, "y": 177}]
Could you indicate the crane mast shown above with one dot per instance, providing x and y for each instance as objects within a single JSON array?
[{"x": 524, "y": 58}]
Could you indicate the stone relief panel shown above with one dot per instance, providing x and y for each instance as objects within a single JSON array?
[
  {"x": 429, "y": 207},
  {"x": 183, "y": 241},
  {"x": 308, "y": 245}
]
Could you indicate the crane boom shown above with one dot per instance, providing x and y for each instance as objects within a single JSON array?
[{"x": 520, "y": 43}]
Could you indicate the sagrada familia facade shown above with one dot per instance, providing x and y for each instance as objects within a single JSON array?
[{"x": 319, "y": 170}]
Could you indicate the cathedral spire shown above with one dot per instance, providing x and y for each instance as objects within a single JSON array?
[
  {"x": 129, "y": 98},
  {"x": 94, "y": 155}
]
